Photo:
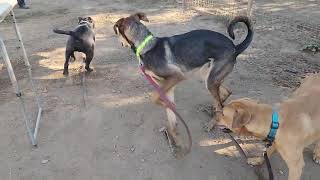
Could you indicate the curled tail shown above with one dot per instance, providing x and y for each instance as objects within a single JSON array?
[
  {"x": 70, "y": 33},
  {"x": 243, "y": 45}
]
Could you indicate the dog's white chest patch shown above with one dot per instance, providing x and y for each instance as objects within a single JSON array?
[
  {"x": 170, "y": 57},
  {"x": 168, "y": 53}
]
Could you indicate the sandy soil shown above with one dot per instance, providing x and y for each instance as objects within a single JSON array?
[{"x": 106, "y": 127}]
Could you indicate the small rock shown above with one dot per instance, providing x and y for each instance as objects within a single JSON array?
[
  {"x": 132, "y": 149},
  {"x": 294, "y": 71},
  {"x": 45, "y": 161},
  {"x": 154, "y": 150},
  {"x": 114, "y": 91},
  {"x": 18, "y": 158},
  {"x": 142, "y": 160},
  {"x": 117, "y": 137},
  {"x": 162, "y": 129},
  {"x": 281, "y": 172}
]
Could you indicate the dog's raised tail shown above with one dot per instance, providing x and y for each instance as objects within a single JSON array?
[
  {"x": 243, "y": 45},
  {"x": 58, "y": 31},
  {"x": 70, "y": 33}
]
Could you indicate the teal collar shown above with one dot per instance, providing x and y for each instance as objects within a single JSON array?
[
  {"x": 274, "y": 128},
  {"x": 142, "y": 46}
]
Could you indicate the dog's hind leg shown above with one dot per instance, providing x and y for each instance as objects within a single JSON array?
[
  {"x": 89, "y": 57},
  {"x": 221, "y": 68},
  {"x": 223, "y": 91},
  {"x": 68, "y": 55}
]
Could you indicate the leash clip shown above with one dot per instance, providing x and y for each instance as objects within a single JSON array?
[{"x": 268, "y": 143}]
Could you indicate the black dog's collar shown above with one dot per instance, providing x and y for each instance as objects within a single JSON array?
[{"x": 85, "y": 23}]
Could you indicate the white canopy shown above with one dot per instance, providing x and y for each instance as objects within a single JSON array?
[{"x": 6, "y": 7}]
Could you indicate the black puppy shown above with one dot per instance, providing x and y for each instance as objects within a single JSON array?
[{"x": 82, "y": 39}]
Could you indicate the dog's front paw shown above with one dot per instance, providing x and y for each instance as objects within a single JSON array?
[
  {"x": 65, "y": 72},
  {"x": 316, "y": 158},
  {"x": 89, "y": 69},
  {"x": 176, "y": 144},
  {"x": 180, "y": 151},
  {"x": 255, "y": 161}
]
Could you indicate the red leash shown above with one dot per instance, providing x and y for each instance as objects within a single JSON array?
[{"x": 169, "y": 104}]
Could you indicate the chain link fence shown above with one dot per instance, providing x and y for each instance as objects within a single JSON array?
[{"x": 296, "y": 20}]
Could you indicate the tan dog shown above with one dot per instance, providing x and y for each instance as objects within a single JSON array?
[{"x": 299, "y": 119}]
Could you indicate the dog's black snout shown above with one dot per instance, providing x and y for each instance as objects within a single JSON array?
[{"x": 226, "y": 130}]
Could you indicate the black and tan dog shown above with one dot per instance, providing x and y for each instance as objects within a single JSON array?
[
  {"x": 82, "y": 39},
  {"x": 168, "y": 59}
]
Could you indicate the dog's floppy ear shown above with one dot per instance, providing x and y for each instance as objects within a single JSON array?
[
  {"x": 80, "y": 19},
  {"x": 141, "y": 16},
  {"x": 91, "y": 21},
  {"x": 241, "y": 116},
  {"x": 117, "y": 25}
]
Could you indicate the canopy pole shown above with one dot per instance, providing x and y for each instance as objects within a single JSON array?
[{"x": 16, "y": 88}]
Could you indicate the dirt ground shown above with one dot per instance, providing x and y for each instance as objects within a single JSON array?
[{"x": 106, "y": 127}]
